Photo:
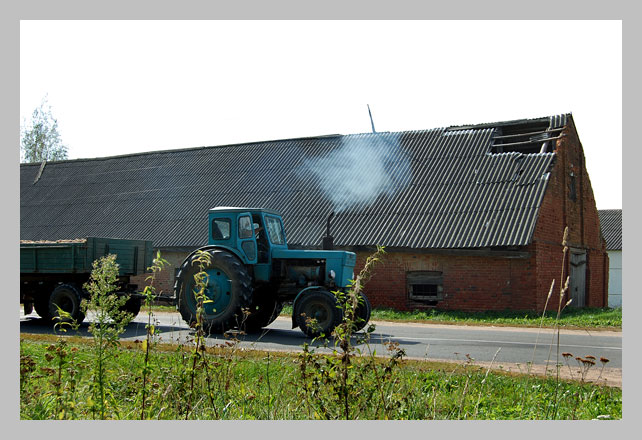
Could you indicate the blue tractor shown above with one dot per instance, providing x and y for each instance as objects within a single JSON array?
[{"x": 252, "y": 273}]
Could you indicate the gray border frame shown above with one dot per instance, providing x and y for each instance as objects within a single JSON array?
[{"x": 331, "y": 9}]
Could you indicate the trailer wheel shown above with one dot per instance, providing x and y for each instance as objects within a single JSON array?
[
  {"x": 229, "y": 289},
  {"x": 68, "y": 298},
  {"x": 132, "y": 306},
  {"x": 362, "y": 314},
  {"x": 316, "y": 313}
]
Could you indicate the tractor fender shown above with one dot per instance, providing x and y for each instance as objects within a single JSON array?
[
  {"x": 299, "y": 295},
  {"x": 211, "y": 247}
]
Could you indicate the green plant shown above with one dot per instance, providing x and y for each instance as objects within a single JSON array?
[
  {"x": 108, "y": 322},
  {"x": 413, "y": 389},
  {"x": 330, "y": 385},
  {"x": 150, "y": 294},
  {"x": 198, "y": 359},
  {"x": 561, "y": 305}
]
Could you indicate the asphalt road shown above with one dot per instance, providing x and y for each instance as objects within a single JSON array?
[{"x": 421, "y": 341}]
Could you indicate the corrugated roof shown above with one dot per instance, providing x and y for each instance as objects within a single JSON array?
[
  {"x": 611, "y": 225},
  {"x": 439, "y": 188}
]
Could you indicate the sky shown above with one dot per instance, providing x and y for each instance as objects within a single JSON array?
[{"x": 121, "y": 87}]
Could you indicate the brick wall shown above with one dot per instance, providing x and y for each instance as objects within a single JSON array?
[
  {"x": 164, "y": 282},
  {"x": 472, "y": 283},
  {"x": 559, "y": 209}
]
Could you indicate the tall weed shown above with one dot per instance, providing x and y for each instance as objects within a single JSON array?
[{"x": 109, "y": 321}]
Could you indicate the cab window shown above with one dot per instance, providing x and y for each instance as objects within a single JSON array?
[
  {"x": 221, "y": 228},
  {"x": 245, "y": 227},
  {"x": 275, "y": 231}
]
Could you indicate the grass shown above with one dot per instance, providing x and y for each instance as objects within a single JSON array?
[
  {"x": 260, "y": 385},
  {"x": 570, "y": 318}
]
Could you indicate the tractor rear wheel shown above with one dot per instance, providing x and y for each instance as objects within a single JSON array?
[
  {"x": 68, "y": 298},
  {"x": 228, "y": 290},
  {"x": 316, "y": 313}
]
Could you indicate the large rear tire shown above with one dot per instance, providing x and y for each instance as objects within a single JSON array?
[
  {"x": 316, "y": 313},
  {"x": 228, "y": 290},
  {"x": 68, "y": 297}
]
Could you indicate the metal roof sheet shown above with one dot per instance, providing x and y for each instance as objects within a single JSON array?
[
  {"x": 611, "y": 225},
  {"x": 439, "y": 188}
]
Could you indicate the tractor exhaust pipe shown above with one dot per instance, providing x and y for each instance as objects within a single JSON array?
[{"x": 328, "y": 240}]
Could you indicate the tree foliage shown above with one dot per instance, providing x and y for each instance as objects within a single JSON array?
[{"x": 39, "y": 139}]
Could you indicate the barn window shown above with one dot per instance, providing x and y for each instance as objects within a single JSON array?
[{"x": 425, "y": 286}]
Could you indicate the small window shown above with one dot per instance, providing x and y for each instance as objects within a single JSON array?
[
  {"x": 425, "y": 286},
  {"x": 275, "y": 231},
  {"x": 245, "y": 227},
  {"x": 221, "y": 229}
]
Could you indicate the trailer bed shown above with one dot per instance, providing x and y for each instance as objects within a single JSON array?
[{"x": 76, "y": 256}]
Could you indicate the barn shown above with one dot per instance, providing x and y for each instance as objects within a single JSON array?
[{"x": 472, "y": 217}]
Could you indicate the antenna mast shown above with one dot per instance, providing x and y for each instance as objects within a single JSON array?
[{"x": 371, "y": 121}]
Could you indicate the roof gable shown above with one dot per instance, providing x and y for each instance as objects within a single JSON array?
[{"x": 440, "y": 188}]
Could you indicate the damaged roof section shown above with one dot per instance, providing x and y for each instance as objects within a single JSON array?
[{"x": 440, "y": 188}]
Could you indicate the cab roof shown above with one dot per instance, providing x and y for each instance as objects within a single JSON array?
[{"x": 241, "y": 209}]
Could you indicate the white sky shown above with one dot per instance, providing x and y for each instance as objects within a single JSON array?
[{"x": 119, "y": 87}]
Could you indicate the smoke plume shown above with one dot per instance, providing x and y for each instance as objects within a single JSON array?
[{"x": 360, "y": 170}]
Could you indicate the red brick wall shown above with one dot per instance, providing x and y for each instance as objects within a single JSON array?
[
  {"x": 473, "y": 283},
  {"x": 558, "y": 210},
  {"x": 164, "y": 282}
]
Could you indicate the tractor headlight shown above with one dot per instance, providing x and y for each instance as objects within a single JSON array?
[{"x": 332, "y": 274}]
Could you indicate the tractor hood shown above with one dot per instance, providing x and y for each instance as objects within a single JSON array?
[{"x": 344, "y": 258}]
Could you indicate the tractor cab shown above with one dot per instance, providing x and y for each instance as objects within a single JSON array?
[{"x": 250, "y": 234}]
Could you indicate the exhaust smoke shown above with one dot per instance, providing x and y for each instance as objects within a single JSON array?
[{"x": 360, "y": 170}]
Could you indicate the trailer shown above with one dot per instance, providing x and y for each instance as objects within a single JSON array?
[{"x": 52, "y": 273}]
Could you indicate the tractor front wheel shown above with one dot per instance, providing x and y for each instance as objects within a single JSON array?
[{"x": 316, "y": 313}]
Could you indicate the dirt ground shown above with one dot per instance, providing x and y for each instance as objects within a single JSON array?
[{"x": 609, "y": 376}]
